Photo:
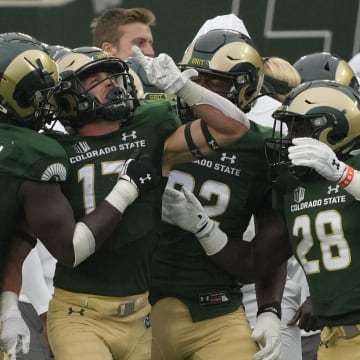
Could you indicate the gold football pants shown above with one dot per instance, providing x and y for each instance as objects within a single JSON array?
[
  {"x": 177, "y": 337},
  {"x": 340, "y": 342},
  {"x": 89, "y": 327}
]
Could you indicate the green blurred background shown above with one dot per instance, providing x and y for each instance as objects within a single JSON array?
[{"x": 288, "y": 28}]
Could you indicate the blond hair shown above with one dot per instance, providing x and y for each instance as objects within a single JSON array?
[
  {"x": 280, "y": 77},
  {"x": 105, "y": 27}
]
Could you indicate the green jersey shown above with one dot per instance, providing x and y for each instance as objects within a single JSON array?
[
  {"x": 323, "y": 224},
  {"x": 231, "y": 186},
  {"x": 121, "y": 267},
  {"x": 24, "y": 155}
]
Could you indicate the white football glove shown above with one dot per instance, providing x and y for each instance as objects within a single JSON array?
[
  {"x": 15, "y": 334},
  {"x": 183, "y": 209},
  {"x": 317, "y": 155},
  {"x": 267, "y": 334},
  {"x": 163, "y": 72}
]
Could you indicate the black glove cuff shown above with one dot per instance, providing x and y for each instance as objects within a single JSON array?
[{"x": 273, "y": 307}]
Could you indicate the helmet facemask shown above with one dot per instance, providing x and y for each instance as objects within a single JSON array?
[
  {"x": 46, "y": 109},
  {"x": 323, "y": 110},
  {"x": 287, "y": 126},
  {"x": 230, "y": 55},
  {"x": 119, "y": 98},
  {"x": 236, "y": 88},
  {"x": 79, "y": 105}
]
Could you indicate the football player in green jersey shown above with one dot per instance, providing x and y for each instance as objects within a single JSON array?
[
  {"x": 32, "y": 167},
  {"x": 100, "y": 308},
  {"x": 318, "y": 191},
  {"x": 197, "y": 301}
]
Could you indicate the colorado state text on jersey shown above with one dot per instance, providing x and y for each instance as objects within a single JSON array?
[
  {"x": 318, "y": 202},
  {"x": 219, "y": 166}
]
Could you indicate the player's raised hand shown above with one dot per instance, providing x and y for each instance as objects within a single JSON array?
[{"x": 163, "y": 72}]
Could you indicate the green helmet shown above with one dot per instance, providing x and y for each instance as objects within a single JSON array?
[
  {"x": 80, "y": 106},
  {"x": 29, "y": 79},
  {"x": 231, "y": 55},
  {"x": 326, "y": 66}
]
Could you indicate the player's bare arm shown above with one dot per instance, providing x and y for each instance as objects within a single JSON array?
[
  {"x": 223, "y": 122},
  {"x": 51, "y": 218}
]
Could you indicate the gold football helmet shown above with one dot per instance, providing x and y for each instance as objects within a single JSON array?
[
  {"x": 29, "y": 79},
  {"x": 326, "y": 66},
  {"x": 324, "y": 110},
  {"x": 230, "y": 55}
]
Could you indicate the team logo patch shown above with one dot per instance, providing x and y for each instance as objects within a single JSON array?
[
  {"x": 55, "y": 172},
  {"x": 81, "y": 147},
  {"x": 299, "y": 194},
  {"x": 213, "y": 298}
]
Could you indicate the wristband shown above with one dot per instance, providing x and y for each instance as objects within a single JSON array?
[
  {"x": 350, "y": 182},
  {"x": 122, "y": 195},
  {"x": 273, "y": 307},
  {"x": 211, "y": 238},
  {"x": 8, "y": 301},
  {"x": 347, "y": 177}
]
